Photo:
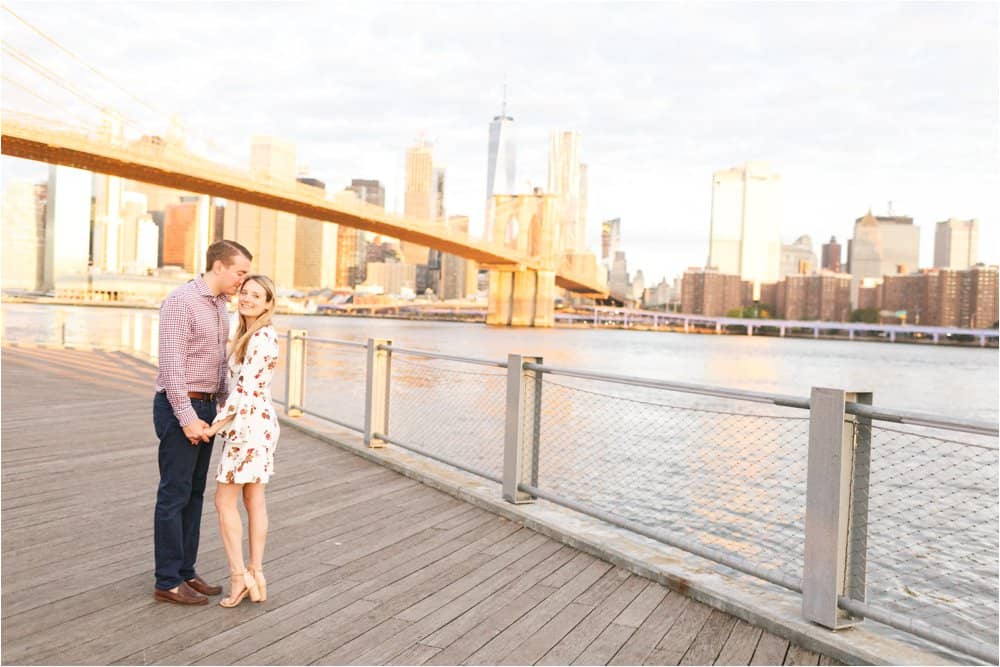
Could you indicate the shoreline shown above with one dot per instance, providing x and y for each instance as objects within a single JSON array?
[{"x": 559, "y": 325}]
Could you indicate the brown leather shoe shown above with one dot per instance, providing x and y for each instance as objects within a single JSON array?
[
  {"x": 203, "y": 586},
  {"x": 184, "y": 595}
]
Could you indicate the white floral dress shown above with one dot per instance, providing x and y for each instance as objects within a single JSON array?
[{"x": 250, "y": 439}]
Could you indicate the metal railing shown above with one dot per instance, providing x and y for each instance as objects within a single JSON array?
[{"x": 867, "y": 513}]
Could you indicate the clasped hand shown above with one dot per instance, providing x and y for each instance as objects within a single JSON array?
[{"x": 200, "y": 431}]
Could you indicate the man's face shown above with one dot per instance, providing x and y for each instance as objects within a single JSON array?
[{"x": 231, "y": 277}]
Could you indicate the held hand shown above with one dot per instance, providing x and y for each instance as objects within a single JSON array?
[
  {"x": 217, "y": 425},
  {"x": 195, "y": 432}
]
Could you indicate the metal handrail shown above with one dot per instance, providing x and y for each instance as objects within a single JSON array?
[
  {"x": 448, "y": 357},
  {"x": 721, "y": 392},
  {"x": 915, "y": 419},
  {"x": 334, "y": 341},
  {"x": 881, "y": 414}
]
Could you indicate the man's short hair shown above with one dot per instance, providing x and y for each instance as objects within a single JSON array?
[{"x": 224, "y": 251}]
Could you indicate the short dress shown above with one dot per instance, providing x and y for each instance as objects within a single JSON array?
[{"x": 250, "y": 439}]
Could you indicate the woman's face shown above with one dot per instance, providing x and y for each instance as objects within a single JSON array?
[{"x": 252, "y": 299}]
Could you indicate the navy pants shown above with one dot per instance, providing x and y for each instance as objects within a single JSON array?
[{"x": 179, "y": 498}]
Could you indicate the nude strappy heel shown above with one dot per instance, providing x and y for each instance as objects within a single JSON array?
[
  {"x": 258, "y": 577},
  {"x": 249, "y": 588}
]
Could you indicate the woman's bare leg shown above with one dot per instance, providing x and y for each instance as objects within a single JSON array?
[
  {"x": 231, "y": 529},
  {"x": 253, "y": 499}
]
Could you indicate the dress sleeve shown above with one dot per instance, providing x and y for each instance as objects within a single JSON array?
[{"x": 252, "y": 386}]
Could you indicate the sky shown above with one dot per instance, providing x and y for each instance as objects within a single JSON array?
[{"x": 856, "y": 105}]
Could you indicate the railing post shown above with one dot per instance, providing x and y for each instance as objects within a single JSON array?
[
  {"x": 137, "y": 333},
  {"x": 836, "y": 539},
  {"x": 522, "y": 428},
  {"x": 295, "y": 375},
  {"x": 377, "y": 378}
]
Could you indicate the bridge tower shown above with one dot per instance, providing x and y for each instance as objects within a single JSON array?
[{"x": 518, "y": 296}]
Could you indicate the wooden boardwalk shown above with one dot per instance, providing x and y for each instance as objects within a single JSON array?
[{"x": 365, "y": 566}]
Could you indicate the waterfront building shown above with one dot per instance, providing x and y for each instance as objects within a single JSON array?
[
  {"x": 797, "y": 258},
  {"x": 67, "y": 226},
  {"x": 140, "y": 236},
  {"x": 394, "y": 278},
  {"x": 351, "y": 242},
  {"x": 658, "y": 296},
  {"x": 956, "y": 244},
  {"x": 567, "y": 183},
  {"x": 269, "y": 234},
  {"x": 825, "y": 296},
  {"x": 316, "y": 246},
  {"x": 109, "y": 200},
  {"x": 454, "y": 269},
  {"x": 618, "y": 278},
  {"x": 23, "y": 244},
  {"x": 611, "y": 240},
  {"x": 638, "y": 286},
  {"x": 745, "y": 221},
  {"x": 185, "y": 231},
  {"x": 420, "y": 196},
  {"x": 881, "y": 246},
  {"x": 943, "y": 297},
  {"x": 710, "y": 292},
  {"x": 832, "y": 256}
]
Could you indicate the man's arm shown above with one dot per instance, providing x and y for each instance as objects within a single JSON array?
[{"x": 175, "y": 322}]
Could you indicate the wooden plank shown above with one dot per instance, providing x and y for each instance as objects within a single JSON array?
[
  {"x": 678, "y": 639},
  {"x": 770, "y": 650},
  {"x": 710, "y": 640},
  {"x": 606, "y": 645},
  {"x": 648, "y": 635},
  {"x": 799, "y": 656},
  {"x": 416, "y": 654},
  {"x": 740, "y": 645},
  {"x": 604, "y": 613},
  {"x": 492, "y": 590},
  {"x": 515, "y": 635}
]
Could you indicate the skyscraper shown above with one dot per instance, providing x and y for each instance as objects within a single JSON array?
[
  {"x": 352, "y": 250},
  {"x": 501, "y": 162},
  {"x": 797, "y": 258},
  {"x": 881, "y": 246},
  {"x": 420, "y": 195},
  {"x": 315, "y": 248},
  {"x": 956, "y": 243},
  {"x": 611, "y": 240},
  {"x": 270, "y": 235},
  {"x": 67, "y": 225},
  {"x": 831, "y": 255},
  {"x": 23, "y": 242},
  {"x": 746, "y": 217},
  {"x": 567, "y": 180}
]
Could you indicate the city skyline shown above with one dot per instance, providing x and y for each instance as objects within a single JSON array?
[{"x": 847, "y": 132}]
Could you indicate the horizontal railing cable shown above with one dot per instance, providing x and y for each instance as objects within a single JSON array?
[
  {"x": 734, "y": 562},
  {"x": 441, "y": 459},
  {"x": 973, "y": 647},
  {"x": 740, "y": 394},
  {"x": 334, "y": 341},
  {"x": 915, "y": 419},
  {"x": 332, "y": 420},
  {"x": 447, "y": 357}
]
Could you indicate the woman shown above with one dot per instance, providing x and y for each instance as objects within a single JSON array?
[{"x": 248, "y": 426}]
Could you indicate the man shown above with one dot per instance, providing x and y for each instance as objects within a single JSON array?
[{"x": 191, "y": 384}]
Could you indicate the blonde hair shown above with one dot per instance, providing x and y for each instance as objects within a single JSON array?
[{"x": 238, "y": 344}]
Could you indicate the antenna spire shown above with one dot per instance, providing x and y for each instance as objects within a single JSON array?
[{"x": 503, "y": 108}]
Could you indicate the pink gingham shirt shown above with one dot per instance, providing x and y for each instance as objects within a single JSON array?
[{"x": 194, "y": 325}]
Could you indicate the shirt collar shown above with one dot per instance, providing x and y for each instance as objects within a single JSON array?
[{"x": 202, "y": 287}]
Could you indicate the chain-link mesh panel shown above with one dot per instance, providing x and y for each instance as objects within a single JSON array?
[
  {"x": 335, "y": 382},
  {"x": 730, "y": 476},
  {"x": 451, "y": 409},
  {"x": 932, "y": 527}
]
